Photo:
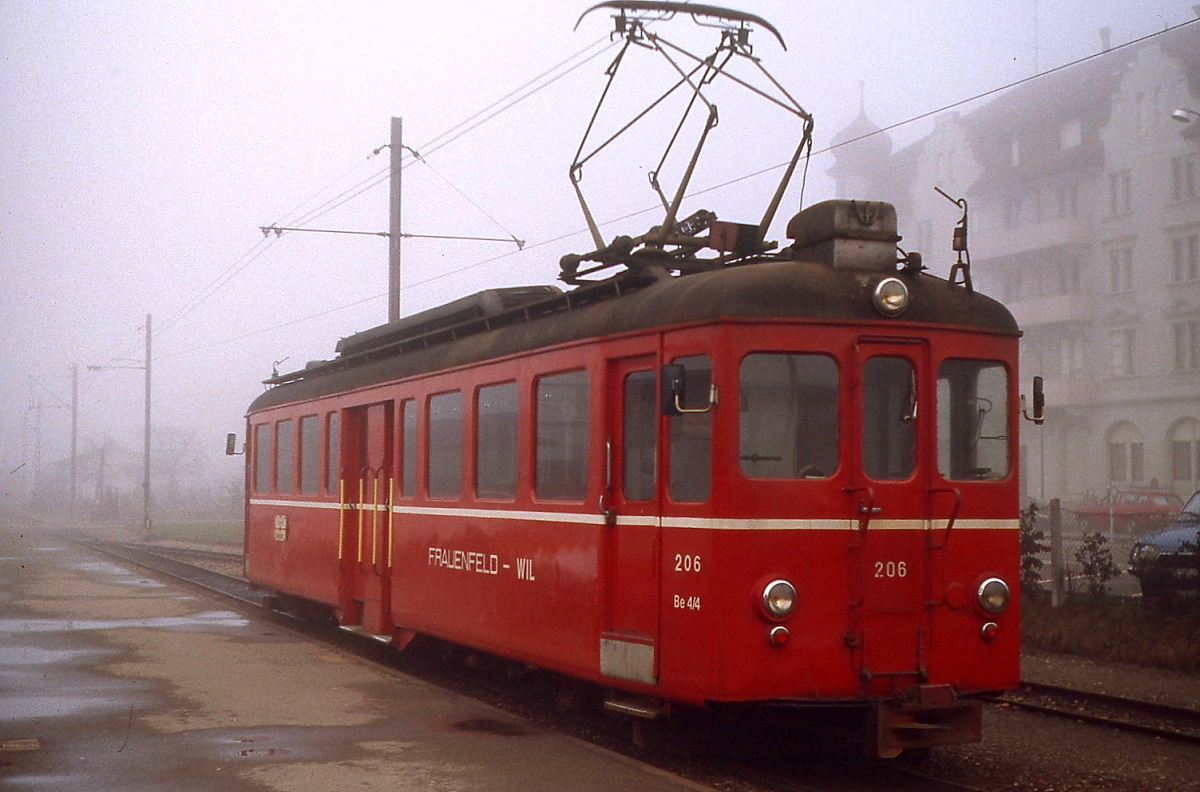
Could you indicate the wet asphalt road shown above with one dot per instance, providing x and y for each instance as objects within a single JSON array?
[{"x": 112, "y": 680}]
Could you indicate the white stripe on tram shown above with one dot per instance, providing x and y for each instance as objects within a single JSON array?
[{"x": 650, "y": 521}]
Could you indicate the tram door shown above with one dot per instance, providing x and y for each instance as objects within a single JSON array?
[
  {"x": 367, "y": 519},
  {"x": 628, "y": 648},
  {"x": 890, "y": 553}
]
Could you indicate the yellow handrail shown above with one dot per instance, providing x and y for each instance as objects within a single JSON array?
[
  {"x": 341, "y": 517},
  {"x": 361, "y": 490}
]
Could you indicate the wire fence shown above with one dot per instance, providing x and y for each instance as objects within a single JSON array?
[{"x": 1083, "y": 550}]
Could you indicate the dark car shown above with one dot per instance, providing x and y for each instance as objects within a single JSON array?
[{"x": 1167, "y": 563}]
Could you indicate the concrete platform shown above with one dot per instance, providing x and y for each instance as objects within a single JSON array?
[{"x": 112, "y": 680}]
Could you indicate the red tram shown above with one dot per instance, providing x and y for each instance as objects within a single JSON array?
[{"x": 788, "y": 482}]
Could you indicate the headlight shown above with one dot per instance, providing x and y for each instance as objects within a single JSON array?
[
  {"x": 779, "y": 599},
  {"x": 1143, "y": 553},
  {"x": 992, "y": 595},
  {"x": 891, "y": 296}
]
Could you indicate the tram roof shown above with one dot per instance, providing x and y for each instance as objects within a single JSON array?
[{"x": 777, "y": 288}]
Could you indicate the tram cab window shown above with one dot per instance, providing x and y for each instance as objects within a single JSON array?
[
  {"x": 332, "y": 453},
  {"x": 788, "y": 422},
  {"x": 262, "y": 458},
  {"x": 285, "y": 455},
  {"x": 639, "y": 436},
  {"x": 690, "y": 473},
  {"x": 560, "y": 466},
  {"x": 445, "y": 445},
  {"x": 408, "y": 448},
  {"x": 496, "y": 441},
  {"x": 310, "y": 454},
  {"x": 972, "y": 420},
  {"x": 889, "y": 413}
]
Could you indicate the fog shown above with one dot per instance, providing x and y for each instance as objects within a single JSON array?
[{"x": 142, "y": 146}]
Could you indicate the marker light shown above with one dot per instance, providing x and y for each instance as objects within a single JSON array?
[
  {"x": 891, "y": 297},
  {"x": 779, "y": 599}
]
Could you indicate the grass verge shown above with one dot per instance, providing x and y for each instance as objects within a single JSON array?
[
  {"x": 214, "y": 532},
  {"x": 1142, "y": 633}
]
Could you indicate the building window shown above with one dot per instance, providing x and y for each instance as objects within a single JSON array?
[
  {"x": 1012, "y": 213},
  {"x": 1120, "y": 269},
  {"x": 310, "y": 454},
  {"x": 1185, "y": 455},
  {"x": 562, "y": 437},
  {"x": 1187, "y": 345},
  {"x": 496, "y": 441},
  {"x": 1126, "y": 454},
  {"x": 1122, "y": 352},
  {"x": 1062, "y": 277},
  {"x": 285, "y": 455},
  {"x": 445, "y": 445},
  {"x": 1070, "y": 134},
  {"x": 1185, "y": 258},
  {"x": 1068, "y": 201},
  {"x": 1120, "y": 192},
  {"x": 1183, "y": 177}
]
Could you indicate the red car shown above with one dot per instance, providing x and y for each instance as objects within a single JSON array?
[{"x": 1136, "y": 511}]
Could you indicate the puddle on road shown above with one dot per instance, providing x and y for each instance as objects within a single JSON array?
[
  {"x": 31, "y": 656},
  {"x": 126, "y": 575},
  {"x": 29, "y": 707},
  {"x": 207, "y": 619}
]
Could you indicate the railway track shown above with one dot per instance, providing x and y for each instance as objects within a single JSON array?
[{"x": 1158, "y": 720}]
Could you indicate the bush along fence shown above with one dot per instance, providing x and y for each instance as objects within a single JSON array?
[{"x": 1068, "y": 556}]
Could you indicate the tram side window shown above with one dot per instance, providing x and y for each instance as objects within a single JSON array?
[
  {"x": 690, "y": 476},
  {"x": 262, "y": 458},
  {"x": 445, "y": 445},
  {"x": 310, "y": 454},
  {"x": 639, "y": 436},
  {"x": 788, "y": 424},
  {"x": 562, "y": 436},
  {"x": 285, "y": 455},
  {"x": 972, "y": 420},
  {"x": 332, "y": 453},
  {"x": 889, "y": 406},
  {"x": 408, "y": 448},
  {"x": 496, "y": 441}
]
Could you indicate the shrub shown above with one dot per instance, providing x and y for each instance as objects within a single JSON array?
[
  {"x": 1096, "y": 563},
  {"x": 1032, "y": 544}
]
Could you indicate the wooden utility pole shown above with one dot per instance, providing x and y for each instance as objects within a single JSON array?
[
  {"x": 146, "y": 525},
  {"x": 74, "y": 433}
]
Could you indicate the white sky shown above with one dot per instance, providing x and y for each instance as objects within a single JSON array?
[{"x": 143, "y": 143}]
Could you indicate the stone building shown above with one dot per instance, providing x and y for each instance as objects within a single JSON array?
[{"x": 1084, "y": 217}]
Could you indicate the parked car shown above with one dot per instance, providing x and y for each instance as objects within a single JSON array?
[
  {"x": 1131, "y": 511},
  {"x": 1167, "y": 563}
]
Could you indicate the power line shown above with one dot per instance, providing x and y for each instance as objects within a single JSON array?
[
  {"x": 444, "y": 139},
  {"x": 720, "y": 186}
]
